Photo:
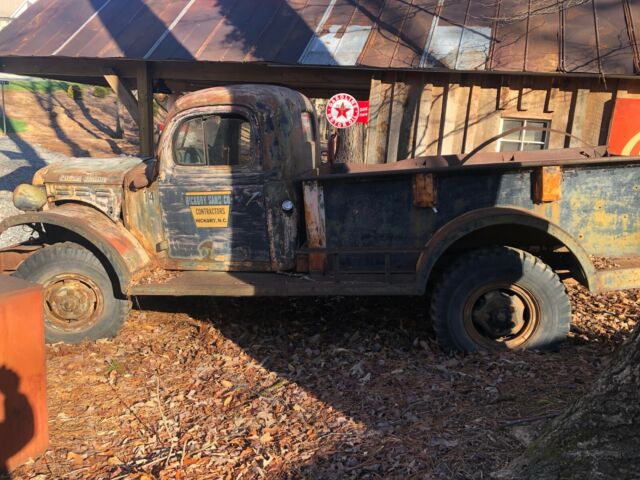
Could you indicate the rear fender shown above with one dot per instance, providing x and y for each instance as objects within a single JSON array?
[
  {"x": 123, "y": 252},
  {"x": 476, "y": 220}
]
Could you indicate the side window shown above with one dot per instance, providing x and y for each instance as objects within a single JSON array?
[
  {"x": 214, "y": 140},
  {"x": 189, "y": 143}
]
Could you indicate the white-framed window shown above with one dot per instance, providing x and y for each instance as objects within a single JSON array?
[{"x": 523, "y": 140}]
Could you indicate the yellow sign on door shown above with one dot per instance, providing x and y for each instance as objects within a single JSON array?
[{"x": 210, "y": 209}]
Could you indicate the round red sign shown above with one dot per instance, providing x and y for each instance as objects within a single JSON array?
[{"x": 342, "y": 110}]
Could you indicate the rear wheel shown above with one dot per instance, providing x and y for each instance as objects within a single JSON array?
[
  {"x": 500, "y": 298},
  {"x": 79, "y": 299}
]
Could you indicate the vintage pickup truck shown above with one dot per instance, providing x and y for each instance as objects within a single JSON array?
[{"x": 237, "y": 203}]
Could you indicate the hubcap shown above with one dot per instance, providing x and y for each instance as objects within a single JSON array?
[
  {"x": 501, "y": 315},
  {"x": 72, "y": 302}
]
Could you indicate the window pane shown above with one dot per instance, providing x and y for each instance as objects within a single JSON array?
[
  {"x": 189, "y": 143},
  {"x": 509, "y": 146},
  {"x": 508, "y": 125},
  {"x": 228, "y": 140},
  {"x": 530, "y": 147},
  {"x": 532, "y": 136}
]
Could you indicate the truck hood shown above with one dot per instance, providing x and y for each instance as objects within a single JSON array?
[{"x": 103, "y": 171}]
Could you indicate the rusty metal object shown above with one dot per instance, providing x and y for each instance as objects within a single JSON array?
[
  {"x": 478, "y": 219},
  {"x": 95, "y": 182},
  {"x": 260, "y": 235},
  {"x": 120, "y": 248},
  {"x": 314, "y": 215},
  {"x": 12, "y": 257},
  {"x": 424, "y": 191},
  {"x": 502, "y": 36},
  {"x": 23, "y": 410},
  {"x": 547, "y": 185},
  {"x": 72, "y": 302},
  {"x": 494, "y": 161},
  {"x": 625, "y": 275},
  {"x": 499, "y": 316},
  {"x": 249, "y": 284}
]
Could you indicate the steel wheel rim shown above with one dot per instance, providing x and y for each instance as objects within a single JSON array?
[
  {"x": 72, "y": 302},
  {"x": 507, "y": 322}
]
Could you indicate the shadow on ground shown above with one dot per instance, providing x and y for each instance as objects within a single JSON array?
[{"x": 375, "y": 361}]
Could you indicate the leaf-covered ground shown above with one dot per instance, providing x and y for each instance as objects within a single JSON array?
[{"x": 306, "y": 388}]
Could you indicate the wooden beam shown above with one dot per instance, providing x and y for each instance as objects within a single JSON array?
[
  {"x": 400, "y": 95},
  {"x": 145, "y": 110},
  {"x": 379, "y": 113},
  {"x": 125, "y": 95},
  {"x": 577, "y": 117}
]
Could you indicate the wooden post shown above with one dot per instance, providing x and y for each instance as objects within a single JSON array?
[
  {"x": 397, "y": 105},
  {"x": 379, "y": 115},
  {"x": 577, "y": 116},
  {"x": 145, "y": 110},
  {"x": 125, "y": 96}
]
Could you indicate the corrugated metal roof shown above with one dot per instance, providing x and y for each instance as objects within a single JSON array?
[{"x": 592, "y": 37}]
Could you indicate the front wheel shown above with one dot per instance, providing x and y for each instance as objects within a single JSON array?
[
  {"x": 79, "y": 299},
  {"x": 500, "y": 298}
]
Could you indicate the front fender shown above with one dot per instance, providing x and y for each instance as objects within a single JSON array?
[
  {"x": 125, "y": 254},
  {"x": 475, "y": 220}
]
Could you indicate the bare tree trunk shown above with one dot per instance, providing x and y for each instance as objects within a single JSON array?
[
  {"x": 596, "y": 438},
  {"x": 351, "y": 143}
]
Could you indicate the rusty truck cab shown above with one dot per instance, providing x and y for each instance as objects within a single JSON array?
[{"x": 225, "y": 188}]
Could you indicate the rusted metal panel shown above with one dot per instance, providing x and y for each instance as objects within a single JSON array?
[
  {"x": 24, "y": 426},
  {"x": 314, "y": 214},
  {"x": 542, "y": 52},
  {"x": 118, "y": 245},
  {"x": 498, "y": 35},
  {"x": 384, "y": 35},
  {"x": 547, "y": 184},
  {"x": 224, "y": 37},
  {"x": 305, "y": 23},
  {"x": 614, "y": 43},
  {"x": 581, "y": 44},
  {"x": 414, "y": 34},
  {"x": 424, "y": 190},
  {"x": 94, "y": 39},
  {"x": 248, "y": 284},
  {"x": 595, "y": 213},
  {"x": 510, "y": 42},
  {"x": 461, "y": 40},
  {"x": 337, "y": 39},
  {"x": 625, "y": 276},
  {"x": 12, "y": 257},
  {"x": 101, "y": 171}
]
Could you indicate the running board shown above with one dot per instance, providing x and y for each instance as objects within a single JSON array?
[
  {"x": 237, "y": 284},
  {"x": 625, "y": 276}
]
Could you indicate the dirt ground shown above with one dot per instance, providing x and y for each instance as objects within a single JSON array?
[
  {"x": 83, "y": 127},
  {"x": 307, "y": 388}
]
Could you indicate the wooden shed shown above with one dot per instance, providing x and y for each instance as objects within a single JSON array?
[{"x": 442, "y": 76}]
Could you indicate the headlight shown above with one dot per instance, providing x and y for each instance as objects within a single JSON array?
[{"x": 29, "y": 197}]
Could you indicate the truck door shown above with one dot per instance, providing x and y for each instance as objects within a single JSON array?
[{"x": 212, "y": 194}]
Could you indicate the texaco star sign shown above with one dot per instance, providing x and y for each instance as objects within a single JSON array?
[{"x": 342, "y": 110}]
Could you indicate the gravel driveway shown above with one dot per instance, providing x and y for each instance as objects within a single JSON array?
[{"x": 18, "y": 162}]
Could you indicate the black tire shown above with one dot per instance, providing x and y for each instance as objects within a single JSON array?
[
  {"x": 80, "y": 303},
  {"x": 500, "y": 298}
]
